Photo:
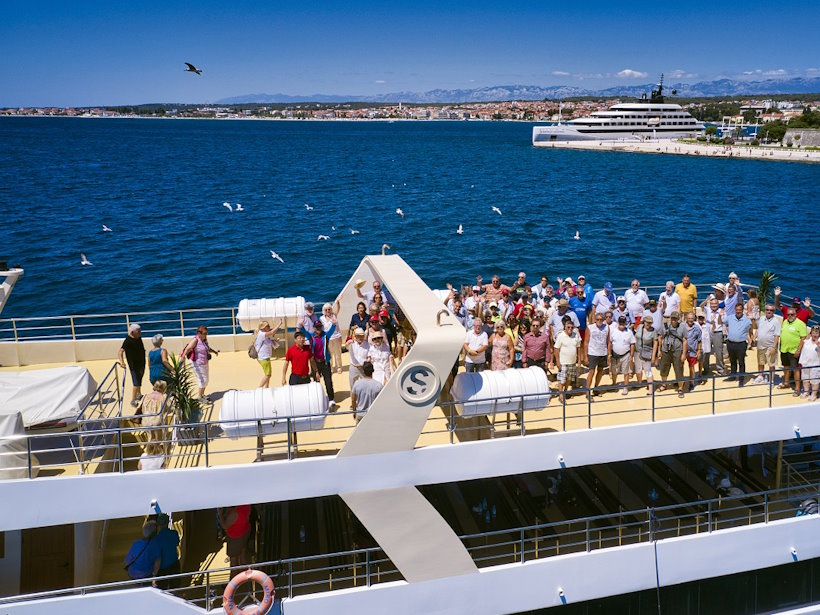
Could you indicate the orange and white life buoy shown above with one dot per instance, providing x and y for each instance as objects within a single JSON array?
[{"x": 243, "y": 577}]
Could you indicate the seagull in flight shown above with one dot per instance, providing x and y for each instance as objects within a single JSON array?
[
  {"x": 192, "y": 69},
  {"x": 577, "y": 235},
  {"x": 400, "y": 212},
  {"x": 460, "y": 230},
  {"x": 322, "y": 238},
  {"x": 84, "y": 261},
  {"x": 106, "y": 229},
  {"x": 353, "y": 231},
  {"x": 239, "y": 207},
  {"x": 276, "y": 256},
  {"x": 308, "y": 207},
  {"x": 496, "y": 210},
  {"x": 228, "y": 205}
]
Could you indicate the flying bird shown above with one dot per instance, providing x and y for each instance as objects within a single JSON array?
[
  {"x": 308, "y": 207},
  {"x": 353, "y": 231},
  {"x": 460, "y": 230},
  {"x": 400, "y": 212},
  {"x": 496, "y": 210},
  {"x": 106, "y": 229},
  {"x": 332, "y": 228},
  {"x": 276, "y": 256},
  {"x": 577, "y": 235},
  {"x": 192, "y": 69},
  {"x": 84, "y": 260},
  {"x": 228, "y": 205},
  {"x": 322, "y": 238},
  {"x": 239, "y": 207}
]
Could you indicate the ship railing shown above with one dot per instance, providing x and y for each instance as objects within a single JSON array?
[
  {"x": 367, "y": 567},
  {"x": 172, "y": 323},
  {"x": 205, "y": 444}
]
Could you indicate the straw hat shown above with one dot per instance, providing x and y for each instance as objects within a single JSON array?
[{"x": 359, "y": 283}]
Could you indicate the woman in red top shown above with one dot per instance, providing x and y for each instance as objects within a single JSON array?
[{"x": 235, "y": 520}]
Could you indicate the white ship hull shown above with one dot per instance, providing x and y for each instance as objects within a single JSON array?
[{"x": 543, "y": 135}]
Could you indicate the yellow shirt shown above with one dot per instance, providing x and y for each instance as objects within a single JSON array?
[{"x": 688, "y": 297}]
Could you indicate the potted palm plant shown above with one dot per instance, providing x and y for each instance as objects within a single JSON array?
[
  {"x": 182, "y": 397},
  {"x": 764, "y": 289}
]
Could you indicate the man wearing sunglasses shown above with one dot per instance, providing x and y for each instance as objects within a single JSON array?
[{"x": 768, "y": 338}]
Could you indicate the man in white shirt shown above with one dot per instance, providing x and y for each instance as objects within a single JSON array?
[
  {"x": 657, "y": 317},
  {"x": 555, "y": 321},
  {"x": 669, "y": 301},
  {"x": 357, "y": 351},
  {"x": 473, "y": 301},
  {"x": 623, "y": 353},
  {"x": 713, "y": 315},
  {"x": 475, "y": 347},
  {"x": 604, "y": 299},
  {"x": 598, "y": 351},
  {"x": 768, "y": 341},
  {"x": 539, "y": 290},
  {"x": 636, "y": 301},
  {"x": 567, "y": 357}
]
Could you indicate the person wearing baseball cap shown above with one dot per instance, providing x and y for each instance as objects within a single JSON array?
[
  {"x": 802, "y": 308},
  {"x": 133, "y": 350},
  {"x": 673, "y": 350},
  {"x": 555, "y": 321},
  {"x": 604, "y": 299},
  {"x": 357, "y": 348}
]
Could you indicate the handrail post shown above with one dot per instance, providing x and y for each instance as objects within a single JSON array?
[
  {"x": 181, "y": 324},
  {"x": 522, "y": 545},
  {"x": 207, "y": 591},
  {"x": 521, "y": 414},
  {"x": 654, "y": 388},
  {"x": 766, "y": 507},
  {"x": 452, "y": 423},
  {"x": 119, "y": 448},
  {"x": 771, "y": 385},
  {"x": 587, "y": 537},
  {"x": 14, "y": 328},
  {"x": 367, "y": 568},
  {"x": 127, "y": 323},
  {"x": 564, "y": 406},
  {"x": 71, "y": 322},
  {"x": 290, "y": 579},
  {"x": 233, "y": 320},
  {"x": 714, "y": 378},
  {"x": 290, "y": 435},
  {"x": 709, "y": 516},
  {"x": 28, "y": 454},
  {"x": 207, "y": 464},
  {"x": 589, "y": 409}
]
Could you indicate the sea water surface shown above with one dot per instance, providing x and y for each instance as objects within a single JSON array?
[{"x": 160, "y": 185}]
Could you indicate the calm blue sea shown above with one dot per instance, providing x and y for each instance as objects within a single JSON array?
[{"x": 160, "y": 184}]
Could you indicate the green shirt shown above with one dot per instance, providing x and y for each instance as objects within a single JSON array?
[{"x": 791, "y": 333}]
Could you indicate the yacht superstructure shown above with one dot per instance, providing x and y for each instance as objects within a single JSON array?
[
  {"x": 651, "y": 118},
  {"x": 605, "y": 498}
]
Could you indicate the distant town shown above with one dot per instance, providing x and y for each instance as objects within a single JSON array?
[{"x": 737, "y": 111}]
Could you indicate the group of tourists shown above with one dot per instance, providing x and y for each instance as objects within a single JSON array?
[{"x": 570, "y": 327}]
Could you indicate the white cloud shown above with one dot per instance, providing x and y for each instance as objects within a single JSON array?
[
  {"x": 628, "y": 73},
  {"x": 679, "y": 73},
  {"x": 380, "y": 81},
  {"x": 560, "y": 73}
]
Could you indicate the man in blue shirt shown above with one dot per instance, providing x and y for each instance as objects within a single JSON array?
[
  {"x": 738, "y": 330},
  {"x": 579, "y": 306},
  {"x": 144, "y": 556},
  {"x": 168, "y": 540}
]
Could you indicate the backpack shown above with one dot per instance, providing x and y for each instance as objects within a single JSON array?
[{"x": 253, "y": 352}]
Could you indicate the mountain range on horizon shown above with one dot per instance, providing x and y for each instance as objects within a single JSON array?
[{"x": 719, "y": 87}]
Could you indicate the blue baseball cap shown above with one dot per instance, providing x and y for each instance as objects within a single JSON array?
[{"x": 608, "y": 286}]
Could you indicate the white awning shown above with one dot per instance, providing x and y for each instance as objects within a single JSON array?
[{"x": 46, "y": 395}]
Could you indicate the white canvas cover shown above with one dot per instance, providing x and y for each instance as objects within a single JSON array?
[
  {"x": 46, "y": 395},
  {"x": 13, "y": 455}
]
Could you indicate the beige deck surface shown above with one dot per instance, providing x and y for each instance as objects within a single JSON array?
[{"x": 234, "y": 370}]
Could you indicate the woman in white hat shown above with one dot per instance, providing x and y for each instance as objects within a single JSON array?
[{"x": 334, "y": 344}]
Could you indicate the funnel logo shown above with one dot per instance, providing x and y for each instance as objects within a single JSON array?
[{"x": 419, "y": 383}]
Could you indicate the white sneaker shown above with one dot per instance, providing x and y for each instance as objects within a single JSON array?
[
  {"x": 758, "y": 379},
  {"x": 804, "y": 394},
  {"x": 624, "y": 391}
]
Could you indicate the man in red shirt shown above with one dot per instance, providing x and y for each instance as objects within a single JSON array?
[
  {"x": 804, "y": 312},
  {"x": 235, "y": 520},
  {"x": 301, "y": 361}
]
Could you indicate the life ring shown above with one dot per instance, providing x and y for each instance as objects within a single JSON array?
[{"x": 258, "y": 576}]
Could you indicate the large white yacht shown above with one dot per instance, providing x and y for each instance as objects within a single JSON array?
[
  {"x": 441, "y": 499},
  {"x": 651, "y": 118}
]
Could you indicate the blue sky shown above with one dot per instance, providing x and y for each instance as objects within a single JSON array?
[{"x": 86, "y": 53}]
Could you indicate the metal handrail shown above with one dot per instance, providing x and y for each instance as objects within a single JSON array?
[
  {"x": 200, "y": 434},
  {"x": 516, "y": 545}
]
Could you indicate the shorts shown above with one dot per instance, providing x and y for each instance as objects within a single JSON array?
[
  {"x": 473, "y": 367},
  {"x": 788, "y": 359},
  {"x": 637, "y": 321},
  {"x": 620, "y": 365},
  {"x": 297, "y": 379},
  {"x": 643, "y": 366},
  {"x": 265, "y": 363},
  {"x": 596, "y": 362},
  {"x": 765, "y": 358},
  {"x": 235, "y": 546},
  {"x": 811, "y": 374},
  {"x": 692, "y": 361},
  {"x": 583, "y": 334},
  {"x": 201, "y": 373},
  {"x": 568, "y": 374},
  {"x": 137, "y": 375}
]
